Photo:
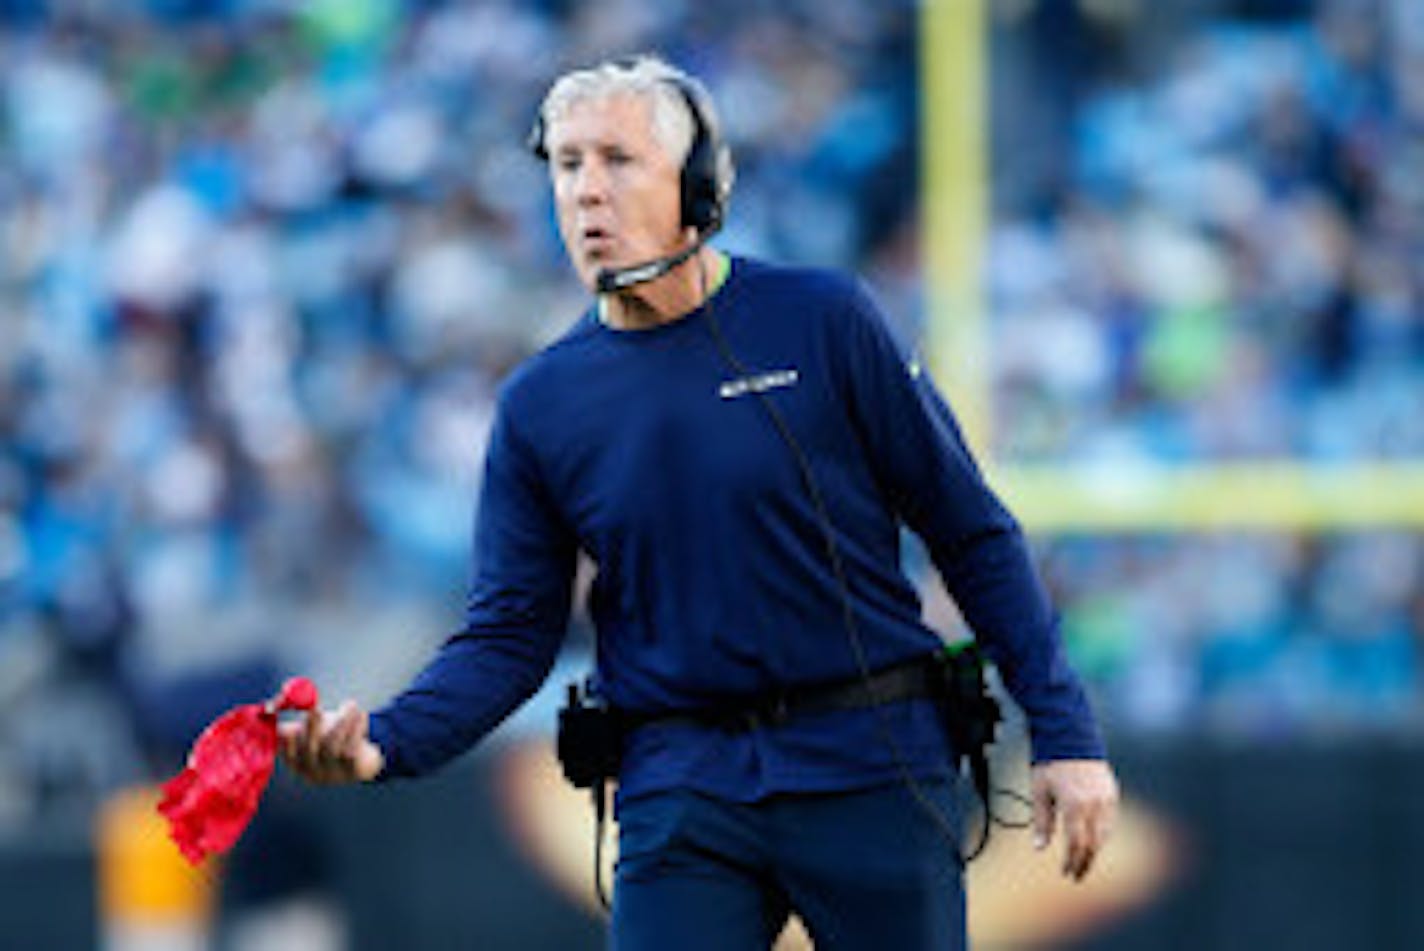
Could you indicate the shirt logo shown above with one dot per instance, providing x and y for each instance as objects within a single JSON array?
[{"x": 759, "y": 383}]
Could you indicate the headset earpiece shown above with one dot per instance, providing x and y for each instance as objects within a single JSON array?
[{"x": 706, "y": 172}]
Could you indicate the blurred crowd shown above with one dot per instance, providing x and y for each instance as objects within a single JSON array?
[
  {"x": 1255, "y": 637},
  {"x": 1212, "y": 250},
  {"x": 263, "y": 264},
  {"x": 262, "y": 267}
]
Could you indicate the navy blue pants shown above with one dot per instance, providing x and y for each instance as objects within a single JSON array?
[{"x": 864, "y": 870}]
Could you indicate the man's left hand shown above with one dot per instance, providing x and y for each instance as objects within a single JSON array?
[{"x": 1083, "y": 792}]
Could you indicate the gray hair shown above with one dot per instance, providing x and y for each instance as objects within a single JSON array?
[{"x": 648, "y": 78}]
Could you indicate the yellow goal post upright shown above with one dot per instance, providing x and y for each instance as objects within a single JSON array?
[{"x": 1280, "y": 494}]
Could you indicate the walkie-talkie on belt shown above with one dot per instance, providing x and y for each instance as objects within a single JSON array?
[
  {"x": 589, "y": 745},
  {"x": 589, "y": 741},
  {"x": 971, "y": 714}
]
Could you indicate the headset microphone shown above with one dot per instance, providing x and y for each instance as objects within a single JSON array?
[{"x": 613, "y": 280}]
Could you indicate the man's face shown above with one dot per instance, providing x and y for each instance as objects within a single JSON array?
[{"x": 617, "y": 189}]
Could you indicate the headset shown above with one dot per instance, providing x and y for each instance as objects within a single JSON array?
[{"x": 706, "y": 178}]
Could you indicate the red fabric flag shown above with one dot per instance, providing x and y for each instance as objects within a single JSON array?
[{"x": 209, "y": 804}]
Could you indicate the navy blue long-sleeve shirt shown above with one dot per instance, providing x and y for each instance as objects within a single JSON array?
[{"x": 645, "y": 449}]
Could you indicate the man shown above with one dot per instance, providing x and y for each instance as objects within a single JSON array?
[{"x": 735, "y": 445}]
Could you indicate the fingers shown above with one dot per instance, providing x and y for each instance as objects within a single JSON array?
[
  {"x": 293, "y": 737},
  {"x": 325, "y": 747},
  {"x": 1080, "y": 848},
  {"x": 335, "y": 761},
  {"x": 287, "y": 733},
  {"x": 309, "y": 741},
  {"x": 1084, "y": 795},
  {"x": 340, "y": 744},
  {"x": 1089, "y": 829}
]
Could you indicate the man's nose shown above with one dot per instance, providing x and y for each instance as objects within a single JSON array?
[{"x": 591, "y": 183}]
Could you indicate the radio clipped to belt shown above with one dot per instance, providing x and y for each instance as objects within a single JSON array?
[
  {"x": 591, "y": 733},
  {"x": 971, "y": 714},
  {"x": 589, "y": 742},
  {"x": 589, "y": 745}
]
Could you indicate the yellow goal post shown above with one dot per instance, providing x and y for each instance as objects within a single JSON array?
[{"x": 1282, "y": 494}]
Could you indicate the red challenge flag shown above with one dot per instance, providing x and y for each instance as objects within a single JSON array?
[{"x": 213, "y": 799}]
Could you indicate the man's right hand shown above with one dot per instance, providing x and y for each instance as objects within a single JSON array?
[{"x": 331, "y": 747}]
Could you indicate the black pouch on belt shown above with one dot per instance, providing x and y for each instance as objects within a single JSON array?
[
  {"x": 971, "y": 714},
  {"x": 590, "y": 740}
]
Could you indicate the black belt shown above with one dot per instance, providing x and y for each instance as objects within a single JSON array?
[{"x": 921, "y": 678}]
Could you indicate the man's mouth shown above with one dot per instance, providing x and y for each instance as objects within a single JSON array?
[{"x": 595, "y": 237}]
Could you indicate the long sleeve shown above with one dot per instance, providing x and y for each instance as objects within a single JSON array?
[
  {"x": 933, "y": 483},
  {"x": 516, "y": 617}
]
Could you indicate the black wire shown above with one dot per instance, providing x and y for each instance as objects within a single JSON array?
[
  {"x": 600, "y": 821},
  {"x": 992, "y": 818},
  {"x": 833, "y": 553},
  {"x": 1020, "y": 798}
]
